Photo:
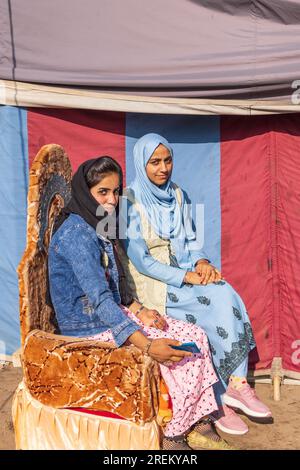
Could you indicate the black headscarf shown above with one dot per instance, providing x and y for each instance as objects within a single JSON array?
[{"x": 85, "y": 205}]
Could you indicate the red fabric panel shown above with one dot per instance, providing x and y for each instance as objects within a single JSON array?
[
  {"x": 105, "y": 414},
  {"x": 83, "y": 134},
  {"x": 286, "y": 144},
  {"x": 245, "y": 224}
]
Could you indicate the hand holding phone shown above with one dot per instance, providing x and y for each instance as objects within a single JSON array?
[{"x": 190, "y": 347}]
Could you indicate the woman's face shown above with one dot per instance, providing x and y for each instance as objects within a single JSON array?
[
  {"x": 107, "y": 192},
  {"x": 160, "y": 165}
]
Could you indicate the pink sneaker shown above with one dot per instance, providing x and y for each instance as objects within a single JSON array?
[
  {"x": 228, "y": 421},
  {"x": 246, "y": 400}
]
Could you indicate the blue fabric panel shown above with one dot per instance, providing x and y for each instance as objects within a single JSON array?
[{"x": 13, "y": 202}]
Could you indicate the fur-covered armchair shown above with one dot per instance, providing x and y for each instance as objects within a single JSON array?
[{"x": 71, "y": 372}]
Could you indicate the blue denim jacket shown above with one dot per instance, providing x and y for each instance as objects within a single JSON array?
[{"x": 84, "y": 293}]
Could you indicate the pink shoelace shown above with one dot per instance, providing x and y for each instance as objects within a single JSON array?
[{"x": 248, "y": 391}]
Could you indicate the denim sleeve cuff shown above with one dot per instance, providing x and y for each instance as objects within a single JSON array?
[{"x": 122, "y": 331}]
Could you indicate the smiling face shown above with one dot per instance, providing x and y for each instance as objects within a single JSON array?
[
  {"x": 160, "y": 165},
  {"x": 107, "y": 191}
]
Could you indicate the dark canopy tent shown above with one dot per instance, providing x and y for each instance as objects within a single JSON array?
[{"x": 119, "y": 69}]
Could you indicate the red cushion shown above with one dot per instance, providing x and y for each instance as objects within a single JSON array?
[{"x": 106, "y": 414}]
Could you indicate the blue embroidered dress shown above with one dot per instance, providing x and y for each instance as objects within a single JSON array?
[{"x": 217, "y": 308}]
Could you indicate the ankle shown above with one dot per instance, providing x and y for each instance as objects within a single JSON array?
[
  {"x": 237, "y": 382},
  {"x": 175, "y": 443},
  {"x": 178, "y": 438}
]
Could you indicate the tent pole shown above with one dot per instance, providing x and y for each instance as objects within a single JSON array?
[
  {"x": 276, "y": 387},
  {"x": 276, "y": 375}
]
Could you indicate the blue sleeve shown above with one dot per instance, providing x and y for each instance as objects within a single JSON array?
[
  {"x": 83, "y": 255},
  {"x": 193, "y": 245},
  {"x": 137, "y": 251}
]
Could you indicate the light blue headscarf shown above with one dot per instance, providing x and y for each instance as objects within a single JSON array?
[{"x": 159, "y": 202}]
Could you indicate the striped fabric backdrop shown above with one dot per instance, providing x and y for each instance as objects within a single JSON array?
[{"x": 245, "y": 171}]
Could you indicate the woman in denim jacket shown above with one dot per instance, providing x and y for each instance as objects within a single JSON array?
[{"x": 84, "y": 288}]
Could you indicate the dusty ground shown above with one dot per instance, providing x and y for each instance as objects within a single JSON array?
[{"x": 284, "y": 433}]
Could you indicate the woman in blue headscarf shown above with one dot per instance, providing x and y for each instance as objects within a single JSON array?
[{"x": 169, "y": 271}]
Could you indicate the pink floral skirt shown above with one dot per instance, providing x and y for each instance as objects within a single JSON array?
[{"x": 190, "y": 380}]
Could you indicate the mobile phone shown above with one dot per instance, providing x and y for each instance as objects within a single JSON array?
[{"x": 190, "y": 347}]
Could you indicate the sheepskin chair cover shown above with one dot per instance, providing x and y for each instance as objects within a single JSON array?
[
  {"x": 64, "y": 371},
  {"x": 49, "y": 190},
  {"x": 74, "y": 372}
]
